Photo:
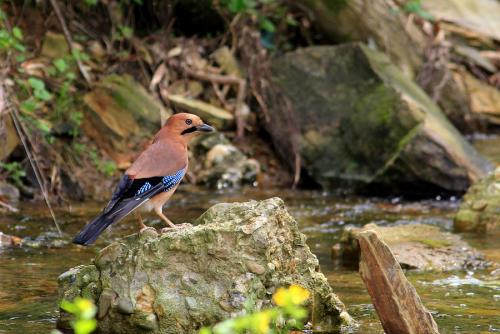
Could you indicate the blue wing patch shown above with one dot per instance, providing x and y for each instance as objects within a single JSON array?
[
  {"x": 171, "y": 181},
  {"x": 145, "y": 187},
  {"x": 167, "y": 182}
]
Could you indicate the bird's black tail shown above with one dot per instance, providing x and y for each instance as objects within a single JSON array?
[{"x": 89, "y": 234}]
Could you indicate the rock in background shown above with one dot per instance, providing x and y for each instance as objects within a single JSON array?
[
  {"x": 219, "y": 164},
  {"x": 363, "y": 122},
  {"x": 420, "y": 247},
  {"x": 122, "y": 116},
  {"x": 187, "y": 278},
  {"x": 480, "y": 209}
]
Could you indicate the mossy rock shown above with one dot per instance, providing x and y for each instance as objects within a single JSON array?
[
  {"x": 362, "y": 122},
  {"x": 121, "y": 116},
  {"x": 480, "y": 208},
  {"x": 182, "y": 280},
  {"x": 417, "y": 246}
]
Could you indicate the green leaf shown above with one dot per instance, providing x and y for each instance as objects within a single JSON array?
[
  {"x": 20, "y": 58},
  {"x": 43, "y": 95},
  {"x": 267, "y": 25},
  {"x": 17, "y": 33},
  {"x": 85, "y": 326},
  {"x": 91, "y": 2},
  {"x": 28, "y": 106},
  {"x": 126, "y": 31},
  {"x": 19, "y": 47},
  {"x": 68, "y": 307},
  {"x": 237, "y": 6},
  {"x": 61, "y": 65},
  {"x": 36, "y": 83}
]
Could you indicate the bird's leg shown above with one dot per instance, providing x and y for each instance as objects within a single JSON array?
[
  {"x": 142, "y": 226},
  {"x": 171, "y": 225},
  {"x": 159, "y": 212}
]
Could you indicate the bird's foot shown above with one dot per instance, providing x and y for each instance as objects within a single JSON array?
[
  {"x": 175, "y": 227},
  {"x": 145, "y": 228}
]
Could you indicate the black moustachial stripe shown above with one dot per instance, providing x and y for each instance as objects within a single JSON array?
[{"x": 189, "y": 130}]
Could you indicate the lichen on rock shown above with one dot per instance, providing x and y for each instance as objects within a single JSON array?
[{"x": 187, "y": 278}]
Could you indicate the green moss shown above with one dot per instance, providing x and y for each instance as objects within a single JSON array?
[{"x": 434, "y": 243}]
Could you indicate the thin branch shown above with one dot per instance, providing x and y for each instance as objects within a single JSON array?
[
  {"x": 222, "y": 79},
  {"x": 69, "y": 40},
  {"x": 8, "y": 206},
  {"x": 34, "y": 165}
]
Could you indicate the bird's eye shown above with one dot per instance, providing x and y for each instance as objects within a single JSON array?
[{"x": 189, "y": 122}]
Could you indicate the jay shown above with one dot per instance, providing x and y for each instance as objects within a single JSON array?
[{"x": 152, "y": 179}]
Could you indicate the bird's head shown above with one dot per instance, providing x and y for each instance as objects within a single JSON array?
[{"x": 186, "y": 125}]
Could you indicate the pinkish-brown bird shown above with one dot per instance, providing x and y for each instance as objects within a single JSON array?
[{"x": 153, "y": 177}]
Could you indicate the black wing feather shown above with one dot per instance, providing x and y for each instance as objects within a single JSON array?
[{"x": 125, "y": 199}]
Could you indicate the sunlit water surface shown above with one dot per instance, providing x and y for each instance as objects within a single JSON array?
[{"x": 461, "y": 302}]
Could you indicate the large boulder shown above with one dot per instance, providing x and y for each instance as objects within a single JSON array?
[
  {"x": 187, "y": 278},
  {"x": 417, "y": 246},
  {"x": 480, "y": 208},
  {"x": 372, "y": 21},
  {"x": 363, "y": 123}
]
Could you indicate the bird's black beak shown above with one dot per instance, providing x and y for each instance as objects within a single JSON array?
[{"x": 205, "y": 128}]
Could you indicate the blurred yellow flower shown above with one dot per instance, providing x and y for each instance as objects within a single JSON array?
[
  {"x": 262, "y": 320},
  {"x": 294, "y": 295}
]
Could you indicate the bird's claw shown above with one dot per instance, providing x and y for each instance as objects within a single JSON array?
[
  {"x": 145, "y": 228},
  {"x": 175, "y": 227}
]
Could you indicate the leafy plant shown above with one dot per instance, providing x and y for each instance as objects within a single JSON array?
[
  {"x": 415, "y": 7},
  {"x": 106, "y": 167},
  {"x": 14, "y": 170},
  {"x": 288, "y": 314},
  {"x": 84, "y": 312}
]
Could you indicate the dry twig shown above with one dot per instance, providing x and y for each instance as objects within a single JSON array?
[
  {"x": 225, "y": 80},
  {"x": 69, "y": 39}
]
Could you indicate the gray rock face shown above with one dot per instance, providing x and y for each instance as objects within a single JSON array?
[
  {"x": 179, "y": 281},
  {"x": 222, "y": 165},
  {"x": 362, "y": 122}
]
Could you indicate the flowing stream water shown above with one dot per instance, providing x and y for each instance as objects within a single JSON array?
[{"x": 461, "y": 302}]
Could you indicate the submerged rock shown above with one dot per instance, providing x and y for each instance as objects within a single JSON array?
[
  {"x": 398, "y": 304},
  {"x": 480, "y": 209},
  {"x": 187, "y": 278},
  {"x": 418, "y": 246},
  {"x": 363, "y": 123},
  {"x": 222, "y": 165}
]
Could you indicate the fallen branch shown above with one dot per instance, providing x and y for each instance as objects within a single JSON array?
[
  {"x": 221, "y": 79},
  {"x": 69, "y": 40},
  {"x": 8, "y": 207}
]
